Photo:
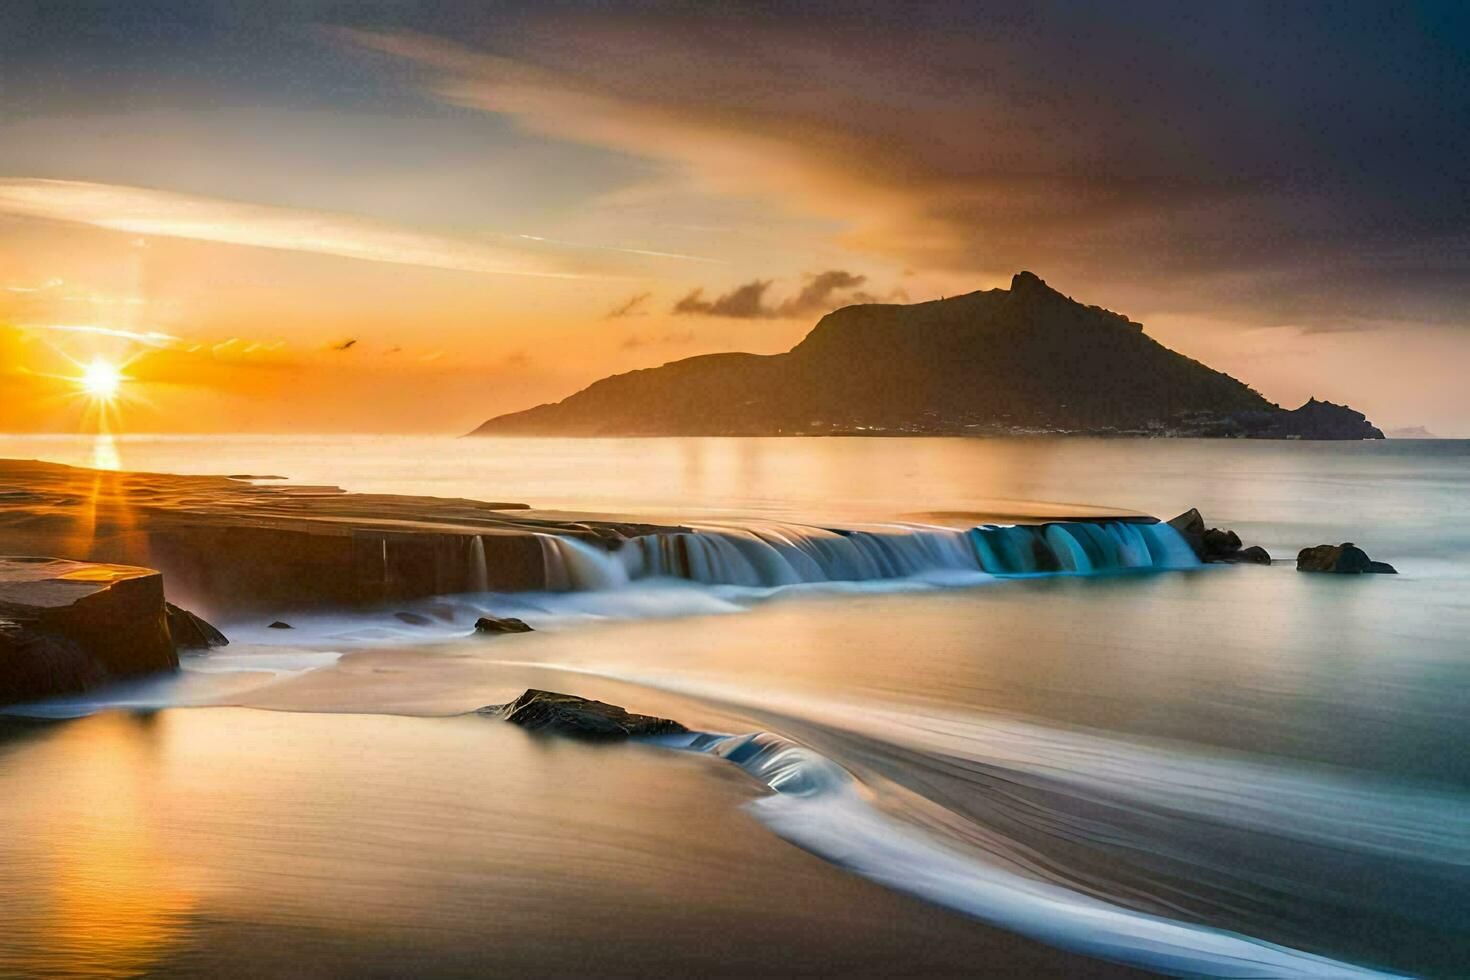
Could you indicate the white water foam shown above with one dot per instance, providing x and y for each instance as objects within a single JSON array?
[
  {"x": 1315, "y": 805},
  {"x": 820, "y": 807}
]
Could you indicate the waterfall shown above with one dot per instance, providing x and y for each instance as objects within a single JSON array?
[
  {"x": 574, "y": 565},
  {"x": 770, "y": 554},
  {"x": 479, "y": 575}
]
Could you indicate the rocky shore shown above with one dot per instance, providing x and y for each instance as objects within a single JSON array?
[
  {"x": 231, "y": 545},
  {"x": 69, "y": 626}
]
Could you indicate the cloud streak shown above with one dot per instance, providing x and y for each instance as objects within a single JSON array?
[
  {"x": 146, "y": 211},
  {"x": 153, "y": 338}
]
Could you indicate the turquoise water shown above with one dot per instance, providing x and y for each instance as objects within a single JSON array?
[{"x": 1185, "y": 770}]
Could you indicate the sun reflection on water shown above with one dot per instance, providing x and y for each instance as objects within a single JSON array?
[
  {"x": 104, "y": 452},
  {"x": 109, "y": 902}
]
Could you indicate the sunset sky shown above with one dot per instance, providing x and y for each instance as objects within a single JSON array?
[{"x": 394, "y": 216}]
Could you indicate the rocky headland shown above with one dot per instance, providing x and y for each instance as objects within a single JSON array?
[{"x": 1026, "y": 360}]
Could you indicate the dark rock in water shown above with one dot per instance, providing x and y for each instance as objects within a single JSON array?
[
  {"x": 412, "y": 619},
  {"x": 278, "y": 625},
  {"x": 567, "y": 714},
  {"x": 1254, "y": 555},
  {"x": 1219, "y": 544},
  {"x": 68, "y": 626},
  {"x": 1341, "y": 559},
  {"x": 495, "y": 625},
  {"x": 1216, "y": 545},
  {"x": 190, "y": 632},
  {"x": 1190, "y": 524}
]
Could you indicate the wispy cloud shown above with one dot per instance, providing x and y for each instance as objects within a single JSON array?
[
  {"x": 674, "y": 338},
  {"x": 42, "y": 287},
  {"x": 633, "y": 306},
  {"x": 152, "y": 338},
  {"x": 148, "y": 211},
  {"x": 651, "y": 253},
  {"x": 744, "y": 302},
  {"x": 823, "y": 292}
]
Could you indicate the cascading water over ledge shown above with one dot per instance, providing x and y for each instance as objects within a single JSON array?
[
  {"x": 768, "y": 555},
  {"x": 713, "y": 568}
]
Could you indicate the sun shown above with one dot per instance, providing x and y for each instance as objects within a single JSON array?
[{"x": 101, "y": 380}]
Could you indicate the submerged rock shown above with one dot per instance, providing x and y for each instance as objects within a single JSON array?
[
  {"x": 191, "y": 632},
  {"x": 1214, "y": 544},
  {"x": 495, "y": 625},
  {"x": 412, "y": 619},
  {"x": 567, "y": 714},
  {"x": 67, "y": 626},
  {"x": 1341, "y": 559}
]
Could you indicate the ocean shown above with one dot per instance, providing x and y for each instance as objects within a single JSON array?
[{"x": 1205, "y": 770}]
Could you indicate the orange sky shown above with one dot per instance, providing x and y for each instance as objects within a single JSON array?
[{"x": 418, "y": 233}]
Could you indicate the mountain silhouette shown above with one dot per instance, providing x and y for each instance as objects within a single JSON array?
[{"x": 1023, "y": 359}]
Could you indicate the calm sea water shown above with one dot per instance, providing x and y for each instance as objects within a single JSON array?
[{"x": 1230, "y": 771}]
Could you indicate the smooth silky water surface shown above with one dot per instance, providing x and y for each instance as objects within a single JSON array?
[{"x": 1222, "y": 770}]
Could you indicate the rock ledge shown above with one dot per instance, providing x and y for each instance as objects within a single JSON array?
[{"x": 67, "y": 626}]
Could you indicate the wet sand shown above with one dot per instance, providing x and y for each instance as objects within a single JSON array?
[{"x": 244, "y": 842}]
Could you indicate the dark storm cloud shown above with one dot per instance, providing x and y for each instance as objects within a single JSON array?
[
  {"x": 1232, "y": 157},
  {"x": 1240, "y": 155}
]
